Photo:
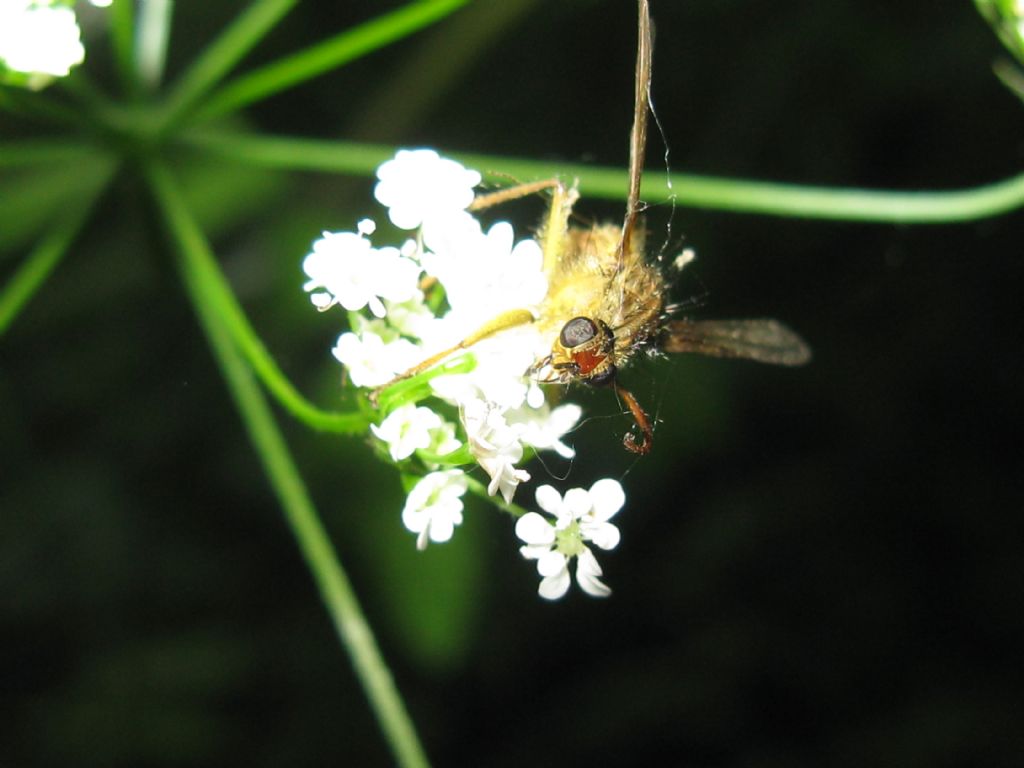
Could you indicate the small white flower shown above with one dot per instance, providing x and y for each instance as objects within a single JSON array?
[
  {"x": 418, "y": 185},
  {"x": 407, "y": 429},
  {"x": 544, "y": 427},
  {"x": 411, "y": 318},
  {"x": 495, "y": 446},
  {"x": 434, "y": 506},
  {"x": 443, "y": 441},
  {"x": 370, "y": 361},
  {"x": 355, "y": 275},
  {"x": 40, "y": 40},
  {"x": 485, "y": 274},
  {"x": 580, "y": 516}
]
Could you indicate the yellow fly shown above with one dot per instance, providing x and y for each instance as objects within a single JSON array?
[{"x": 607, "y": 299}]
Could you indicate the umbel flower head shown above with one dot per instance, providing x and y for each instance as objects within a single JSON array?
[
  {"x": 409, "y": 301},
  {"x": 580, "y": 516},
  {"x": 39, "y": 40}
]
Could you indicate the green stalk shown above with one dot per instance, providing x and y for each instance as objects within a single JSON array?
[
  {"x": 479, "y": 489},
  {"x": 709, "y": 192},
  {"x": 31, "y": 275},
  {"x": 223, "y": 54},
  {"x": 232, "y": 316},
  {"x": 335, "y": 588},
  {"x": 122, "y": 36},
  {"x": 153, "y": 32},
  {"x": 327, "y": 55}
]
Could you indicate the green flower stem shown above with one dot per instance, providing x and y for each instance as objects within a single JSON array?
[
  {"x": 335, "y": 588},
  {"x": 479, "y": 489},
  {"x": 217, "y": 60},
  {"x": 151, "y": 42},
  {"x": 737, "y": 195},
  {"x": 122, "y": 38},
  {"x": 327, "y": 55},
  {"x": 47, "y": 254},
  {"x": 218, "y": 292}
]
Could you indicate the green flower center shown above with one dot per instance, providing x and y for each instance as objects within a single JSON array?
[{"x": 569, "y": 541}]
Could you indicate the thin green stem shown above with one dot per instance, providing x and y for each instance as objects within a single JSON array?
[
  {"x": 331, "y": 580},
  {"x": 152, "y": 35},
  {"x": 479, "y": 489},
  {"x": 219, "y": 294},
  {"x": 223, "y": 54},
  {"x": 122, "y": 37},
  {"x": 44, "y": 258},
  {"x": 327, "y": 55},
  {"x": 736, "y": 195},
  {"x": 263, "y": 363}
]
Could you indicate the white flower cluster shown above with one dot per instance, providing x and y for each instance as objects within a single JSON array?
[
  {"x": 39, "y": 40},
  {"x": 450, "y": 278}
]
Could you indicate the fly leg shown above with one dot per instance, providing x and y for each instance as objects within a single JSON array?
[
  {"x": 643, "y": 423},
  {"x": 504, "y": 321}
]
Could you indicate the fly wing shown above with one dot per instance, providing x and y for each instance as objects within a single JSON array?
[
  {"x": 766, "y": 341},
  {"x": 638, "y": 136}
]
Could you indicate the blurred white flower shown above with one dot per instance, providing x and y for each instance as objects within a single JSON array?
[
  {"x": 544, "y": 427},
  {"x": 495, "y": 446},
  {"x": 370, "y": 361},
  {"x": 442, "y": 441},
  {"x": 39, "y": 39},
  {"x": 407, "y": 429},
  {"x": 418, "y": 185},
  {"x": 434, "y": 506},
  {"x": 580, "y": 516},
  {"x": 343, "y": 268}
]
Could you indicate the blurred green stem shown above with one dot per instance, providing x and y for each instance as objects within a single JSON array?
[
  {"x": 329, "y": 54},
  {"x": 151, "y": 41},
  {"x": 218, "y": 292},
  {"x": 479, "y": 489},
  {"x": 333, "y": 583},
  {"x": 47, "y": 254},
  {"x": 122, "y": 38},
  {"x": 220, "y": 57},
  {"x": 736, "y": 195}
]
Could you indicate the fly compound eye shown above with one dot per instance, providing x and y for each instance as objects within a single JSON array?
[{"x": 577, "y": 331}]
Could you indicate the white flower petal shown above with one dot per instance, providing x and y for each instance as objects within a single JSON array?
[
  {"x": 607, "y": 498},
  {"x": 534, "y": 551},
  {"x": 535, "y": 530},
  {"x": 588, "y": 574},
  {"x": 442, "y": 528},
  {"x": 552, "y": 563},
  {"x": 603, "y": 535},
  {"x": 548, "y": 499},
  {"x": 554, "y": 587},
  {"x": 576, "y": 503},
  {"x": 423, "y": 537}
]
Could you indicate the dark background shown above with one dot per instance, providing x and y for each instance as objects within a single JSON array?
[{"x": 818, "y": 567}]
